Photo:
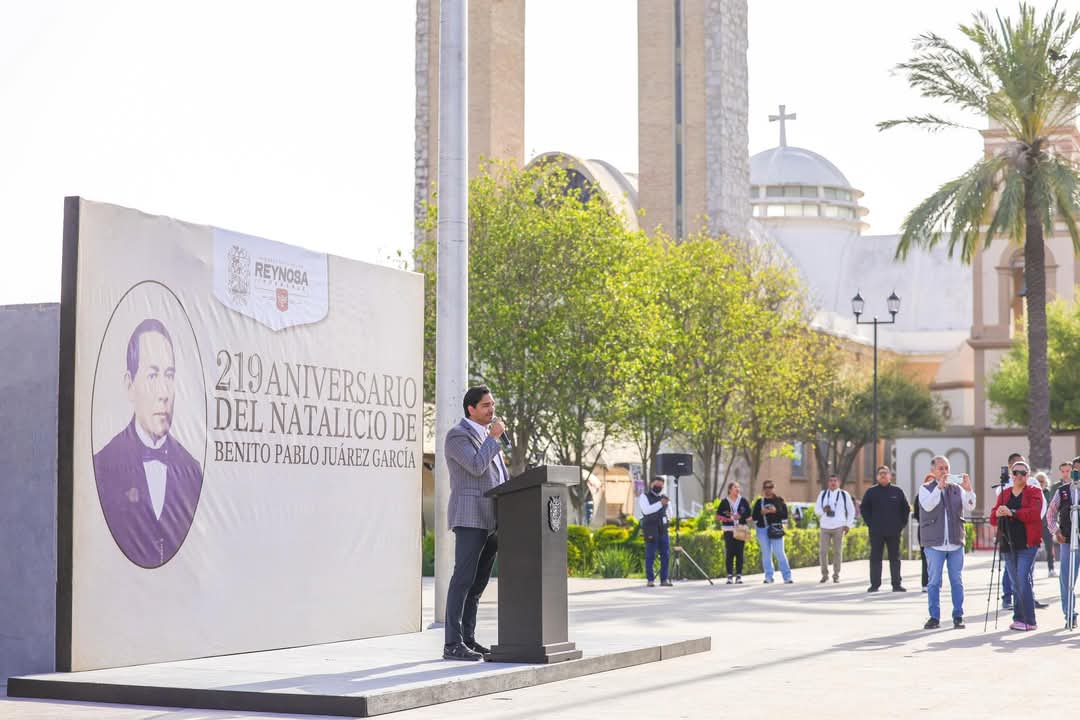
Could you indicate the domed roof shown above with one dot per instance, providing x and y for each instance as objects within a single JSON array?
[{"x": 787, "y": 165}]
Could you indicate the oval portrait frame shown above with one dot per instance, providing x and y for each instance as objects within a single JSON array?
[{"x": 169, "y": 297}]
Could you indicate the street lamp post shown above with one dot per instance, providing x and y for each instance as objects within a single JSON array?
[{"x": 857, "y": 305}]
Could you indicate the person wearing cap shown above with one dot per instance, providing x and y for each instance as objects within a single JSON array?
[{"x": 1018, "y": 514}]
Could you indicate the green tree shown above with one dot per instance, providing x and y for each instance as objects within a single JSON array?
[
  {"x": 1008, "y": 388},
  {"x": 846, "y": 416},
  {"x": 553, "y": 295},
  {"x": 1024, "y": 74},
  {"x": 652, "y": 375},
  {"x": 777, "y": 394},
  {"x": 708, "y": 291}
]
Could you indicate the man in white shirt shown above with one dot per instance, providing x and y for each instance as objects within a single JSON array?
[
  {"x": 942, "y": 505},
  {"x": 836, "y": 513},
  {"x": 148, "y": 483},
  {"x": 654, "y": 526}
]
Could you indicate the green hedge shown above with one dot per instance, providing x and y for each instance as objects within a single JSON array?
[
  {"x": 620, "y": 551},
  {"x": 800, "y": 546}
]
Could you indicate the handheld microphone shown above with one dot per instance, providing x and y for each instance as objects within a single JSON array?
[{"x": 504, "y": 439}]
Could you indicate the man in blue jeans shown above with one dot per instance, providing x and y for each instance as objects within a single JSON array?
[
  {"x": 941, "y": 528},
  {"x": 654, "y": 526},
  {"x": 1059, "y": 522}
]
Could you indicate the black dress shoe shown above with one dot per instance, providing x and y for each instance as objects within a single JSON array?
[
  {"x": 932, "y": 624},
  {"x": 899, "y": 588},
  {"x": 477, "y": 647},
  {"x": 872, "y": 588},
  {"x": 958, "y": 623},
  {"x": 460, "y": 652},
  {"x": 1041, "y": 605}
]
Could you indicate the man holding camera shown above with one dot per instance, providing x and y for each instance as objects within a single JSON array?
[
  {"x": 654, "y": 526},
  {"x": 836, "y": 514},
  {"x": 942, "y": 503},
  {"x": 1059, "y": 521},
  {"x": 885, "y": 510}
]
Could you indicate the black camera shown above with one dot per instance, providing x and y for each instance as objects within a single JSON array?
[{"x": 1004, "y": 475}]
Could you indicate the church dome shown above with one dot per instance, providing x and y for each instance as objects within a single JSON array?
[
  {"x": 787, "y": 165},
  {"x": 795, "y": 185}
]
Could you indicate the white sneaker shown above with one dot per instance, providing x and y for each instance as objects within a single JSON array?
[{"x": 1052, "y": 573}]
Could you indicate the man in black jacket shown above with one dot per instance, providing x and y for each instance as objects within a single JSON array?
[{"x": 885, "y": 510}]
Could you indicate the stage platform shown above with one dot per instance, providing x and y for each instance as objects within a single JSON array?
[{"x": 360, "y": 678}]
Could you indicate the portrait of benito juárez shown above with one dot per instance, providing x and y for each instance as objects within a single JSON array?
[{"x": 147, "y": 482}]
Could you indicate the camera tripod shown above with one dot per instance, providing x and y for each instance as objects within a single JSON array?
[
  {"x": 995, "y": 570},
  {"x": 676, "y": 568}
]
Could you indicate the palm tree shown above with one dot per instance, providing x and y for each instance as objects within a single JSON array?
[{"x": 1024, "y": 74}]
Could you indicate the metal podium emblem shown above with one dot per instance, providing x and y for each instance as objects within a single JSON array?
[{"x": 555, "y": 513}]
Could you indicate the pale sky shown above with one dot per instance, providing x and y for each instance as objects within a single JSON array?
[{"x": 294, "y": 120}]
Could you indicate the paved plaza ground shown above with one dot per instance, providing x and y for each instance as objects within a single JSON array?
[{"x": 803, "y": 650}]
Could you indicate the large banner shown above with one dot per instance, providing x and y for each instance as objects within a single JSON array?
[{"x": 240, "y": 435}]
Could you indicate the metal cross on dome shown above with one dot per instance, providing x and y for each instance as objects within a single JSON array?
[{"x": 782, "y": 117}]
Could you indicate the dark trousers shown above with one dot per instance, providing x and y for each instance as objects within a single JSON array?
[
  {"x": 1049, "y": 546},
  {"x": 663, "y": 544},
  {"x": 925, "y": 577},
  {"x": 878, "y": 543},
  {"x": 474, "y": 554},
  {"x": 733, "y": 554}
]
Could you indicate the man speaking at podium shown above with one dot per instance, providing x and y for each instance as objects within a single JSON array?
[{"x": 473, "y": 457}]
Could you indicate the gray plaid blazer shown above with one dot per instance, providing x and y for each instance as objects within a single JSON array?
[{"x": 475, "y": 467}]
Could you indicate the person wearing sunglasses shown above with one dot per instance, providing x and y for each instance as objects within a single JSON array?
[
  {"x": 1017, "y": 514},
  {"x": 770, "y": 514},
  {"x": 1006, "y": 579},
  {"x": 941, "y": 529}
]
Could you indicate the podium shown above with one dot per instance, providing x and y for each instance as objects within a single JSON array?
[{"x": 532, "y": 509}]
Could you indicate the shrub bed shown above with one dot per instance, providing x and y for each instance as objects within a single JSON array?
[{"x": 613, "y": 551}]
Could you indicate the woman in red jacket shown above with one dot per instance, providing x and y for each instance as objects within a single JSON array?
[{"x": 1018, "y": 516}]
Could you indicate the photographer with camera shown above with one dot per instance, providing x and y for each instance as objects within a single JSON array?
[
  {"x": 654, "y": 526},
  {"x": 941, "y": 529},
  {"x": 836, "y": 515},
  {"x": 770, "y": 514},
  {"x": 1059, "y": 521},
  {"x": 885, "y": 511},
  {"x": 1017, "y": 515}
]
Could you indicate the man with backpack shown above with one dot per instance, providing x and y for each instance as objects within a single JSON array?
[{"x": 836, "y": 514}]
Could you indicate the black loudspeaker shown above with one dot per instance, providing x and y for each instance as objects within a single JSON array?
[{"x": 674, "y": 464}]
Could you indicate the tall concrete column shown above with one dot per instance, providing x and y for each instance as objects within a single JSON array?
[{"x": 452, "y": 292}]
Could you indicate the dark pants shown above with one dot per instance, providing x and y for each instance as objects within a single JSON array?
[
  {"x": 878, "y": 543},
  {"x": 925, "y": 577},
  {"x": 1048, "y": 545},
  {"x": 733, "y": 554},
  {"x": 661, "y": 543},
  {"x": 474, "y": 554}
]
